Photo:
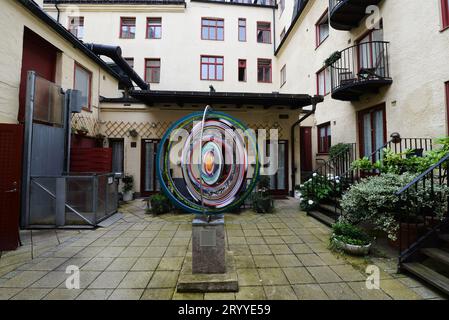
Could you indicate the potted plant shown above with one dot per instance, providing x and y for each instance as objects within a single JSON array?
[
  {"x": 133, "y": 133},
  {"x": 262, "y": 202},
  {"x": 350, "y": 239},
  {"x": 128, "y": 185},
  {"x": 159, "y": 204},
  {"x": 334, "y": 57},
  {"x": 99, "y": 139},
  {"x": 82, "y": 131}
]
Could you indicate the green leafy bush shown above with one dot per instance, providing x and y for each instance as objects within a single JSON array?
[
  {"x": 318, "y": 189},
  {"x": 338, "y": 149},
  {"x": 350, "y": 234},
  {"x": 128, "y": 183},
  {"x": 262, "y": 202},
  {"x": 159, "y": 204}
]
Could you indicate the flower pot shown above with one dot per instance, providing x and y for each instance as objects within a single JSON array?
[
  {"x": 352, "y": 249},
  {"x": 82, "y": 133},
  {"x": 127, "y": 196},
  {"x": 409, "y": 232},
  {"x": 297, "y": 194}
]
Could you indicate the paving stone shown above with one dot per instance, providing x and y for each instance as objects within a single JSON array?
[
  {"x": 259, "y": 249},
  {"x": 219, "y": 296},
  {"x": 309, "y": 292},
  {"x": 427, "y": 293},
  {"x": 136, "y": 280},
  {"x": 285, "y": 232},
  {"x": 157, "y": 242},
  {"x": 94, "y": 294},
  {"x": 348, "y": 273},
  {"x": 48, "y": 264},
  {"x": 188, "y": 296},
  {"x": 146, "y": 264},
  {"x": 97, "y": 264},
  {"x": 272, "y": 240},
  {"x": 249, "y": 277},
  {"x": 310, "y": 260},
  {"x": 23, "y": 279},
  {"x": 272, "y": 276},
  {"x": 331, "y": 259},
  {"x": 31, "y": 294},
  {"x": 63, "y": 294},
  {"x": 141, "y": 242},
  {"x": 244, "y": 262},
  {"x": 268, "y": 232},
  {"x": 397, "y": 290},
  {"x": 250, "y": 293},
  {"x": 121, "y": 264},
  {"x": 180, "y": 241},
  {"x": 367, "y": 294},
  {"x": 108, "y": 280},
  {"x": 7, "y": 293},
  {"x": 178, "y": 251},
  {"x": 126, "y": 294},
  {"x": 339, "y": 291},
  {"x": 172, "y": 264},
  {"x": 236, "y": 240},
  {"x": 121, "y": 242},
  {"x": 157, "y": 294},
  {"x": 255, "y": 240},
  {"x": 89, "y": 252},
  {"x": 132, "y": 252},
  {"x": 240, "y": 250},
  {"x": 279, "y": 249},
  {"x": 324, "y": 274},
  {"x": 298, "y": 248},
  {"x": 51, "y": 280},
  {"x": 265, "y": 261},
  {"x": 298, "y": 275},
  {"x": 110, "y": 252},
  {"x": 288, "y": 260},
  {"x": 280, "y": 293},
  {"x": 154, "y": 252},
  {"x": 164, "y": 279},
  {"x": 251, "y": 233}
]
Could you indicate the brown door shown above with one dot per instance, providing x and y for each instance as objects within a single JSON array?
[
  {"x": 11, "y": 142},
  {"x": 305, "y": 145},
  {"x": 149, "y": 183}
]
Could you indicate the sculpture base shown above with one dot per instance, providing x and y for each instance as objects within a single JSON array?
[{"x": 208, "y": 282}]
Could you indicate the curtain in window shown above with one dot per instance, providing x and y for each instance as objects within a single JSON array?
[
  {"x": 82, "y": 79},
  {"x": 117, "y": 156},
  {"x": 367, "y": 145}
]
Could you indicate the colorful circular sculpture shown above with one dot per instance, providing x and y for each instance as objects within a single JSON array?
[{"x": 206, "y": 169}]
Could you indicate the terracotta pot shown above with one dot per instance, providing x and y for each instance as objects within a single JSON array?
[{"x": 410, "y": 232}]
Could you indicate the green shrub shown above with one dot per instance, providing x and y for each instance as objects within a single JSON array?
[
  {"x": 350, "y": 234},
  {"x": 262, "y": 203},
  {"x": 318, "y": 189},
  {"x": 338, "y": 149},
  {"x": 159, "y": 204},
  {"x": 128, "y": 183}
]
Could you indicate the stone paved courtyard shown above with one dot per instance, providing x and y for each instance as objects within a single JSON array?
[{"x": 278, "y": 256}]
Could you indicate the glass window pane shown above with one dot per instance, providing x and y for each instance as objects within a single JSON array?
[{"x": 211, "y": 72}]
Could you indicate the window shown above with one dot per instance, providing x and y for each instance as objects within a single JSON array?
[
  {"x": 153, "y": 70},
  {"x": 154, "y": 28},
  {"x": 370, "y": 54},
  {"x": 263, "y": 32},
  {"x": 130, "y": 62},
  {"x": 323, "y": 80},
  {"x": 324, "y": 138},
  {"x": 447, "y": 102},
  {"x": 282, "y": 35},
  {"x": 212, "y": 29},
  {"x": 76, "y": 26},
  {"x": 83, "y": 82},
  {"x": 445, "y": 12},
  {"x": 117, "y": 154},
  {"x": 242, "y": 70},
  {"x": 127, "y": 28},
  {"x": 242, "y": 29},
  {"x": 264, "y": 70},
  {"x": 212, "y": 68},
  {"x": 281, "y": 5},
  {"x": 283, "y": 75},
  {"x": 322, "y": 29}
]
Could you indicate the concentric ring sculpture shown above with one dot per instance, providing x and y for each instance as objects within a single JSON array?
[{"x": 208, "y": 163}]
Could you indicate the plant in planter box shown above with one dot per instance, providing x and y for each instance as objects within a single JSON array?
[
  {"x": 82, "y": 131},
  {"x": 334, "y": 57},
  {"x": 318, "y": 189},
  {"x": 262, "y": 202},
  {"x": 159, "y": 204},
  {"x": 350, "y": 239},
  {"x": 128, "y": 185}
]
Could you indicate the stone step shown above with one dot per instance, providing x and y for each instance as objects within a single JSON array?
[
  {"x": 437, "y": 255},
  {"x": 322, "y": 217},
  {"x": 430, "y": 276}
]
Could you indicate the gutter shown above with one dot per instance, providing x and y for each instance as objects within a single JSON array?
[
  {"x": 115, "y": 53},
  {"x": 314, "y": 101}
]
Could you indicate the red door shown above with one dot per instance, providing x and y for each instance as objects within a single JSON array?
[
  {"x": 11, "y": 141},
  {"x": 306, "y": 149}
]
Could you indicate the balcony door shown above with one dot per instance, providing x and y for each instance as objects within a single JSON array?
[
  {"x": 371, "y": 52},
  {"x": 372, "y": 130},
  {"x": 149, "y": 183}
]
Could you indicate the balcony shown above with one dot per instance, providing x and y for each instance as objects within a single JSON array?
[
  {"x": 347, "y": 14},
  {"x": 360, "y": 69}
]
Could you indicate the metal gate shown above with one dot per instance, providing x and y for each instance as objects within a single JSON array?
[{"x": 52, "y": 197}]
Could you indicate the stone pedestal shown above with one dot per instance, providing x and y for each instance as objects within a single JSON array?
[{"x": 208, "y": 245}]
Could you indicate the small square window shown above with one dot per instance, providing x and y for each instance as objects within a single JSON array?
[
  {"x": 263, "y": 32},
  {"x": 127, "y": 28}
]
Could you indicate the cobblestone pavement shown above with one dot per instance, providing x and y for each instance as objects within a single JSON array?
[{"x": 278, "y": 256}]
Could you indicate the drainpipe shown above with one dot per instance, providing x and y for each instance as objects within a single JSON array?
[
  {"x": 57, "y": 9},
  {"x": 314, "y": 100},
  {"x": 115, "y": 53}
]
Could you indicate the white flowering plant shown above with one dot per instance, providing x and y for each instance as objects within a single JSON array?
[{"x": 318, "y": 189}]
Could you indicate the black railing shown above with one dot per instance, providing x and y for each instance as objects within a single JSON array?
[
  {"x": 333, "y": 4},
  {"x": 362, "y": 63},
  {"x": 423, "y": 208}
]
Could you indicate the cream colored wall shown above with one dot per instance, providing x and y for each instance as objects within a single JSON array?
[
  {"x": 418, "y": 53},
  {"x": 181, "y": 46},
  {"x": 14, "y": 18},
  {"x": 136, "y": 115}
]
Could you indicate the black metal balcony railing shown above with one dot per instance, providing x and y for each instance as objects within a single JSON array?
[
  {"x": 361, "y": 69},
  {"x": 347, "y": 14}
]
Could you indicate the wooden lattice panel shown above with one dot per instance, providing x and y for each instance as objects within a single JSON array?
[
  {"x": 86, "y": 120},
  {"x": 120, "y": 129},
  {"x": 267, "y": 126}
]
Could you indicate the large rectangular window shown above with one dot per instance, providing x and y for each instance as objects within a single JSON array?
[
  {"x": 263, "y": 32},
  {"x": 212, "y": 29},
  {"x": 264, "y": 70},
  {"x": 153, "y": 70},
  {"x": 83, "y": 83},
  {"x": 322, "y": 29},
  {"x": 242, "y": 70},
  {"x": 212, "y": 68},
  {"x": 324, "y": 138},
  {"x": 445, "y": 13},
  {"x": 323, "y": 81},
  {"x": 242, "y": 29},
  {"x": 127, "y": 28},
  {"x": 76, "y": 26},
  {"x": 154, "y": 28}
]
